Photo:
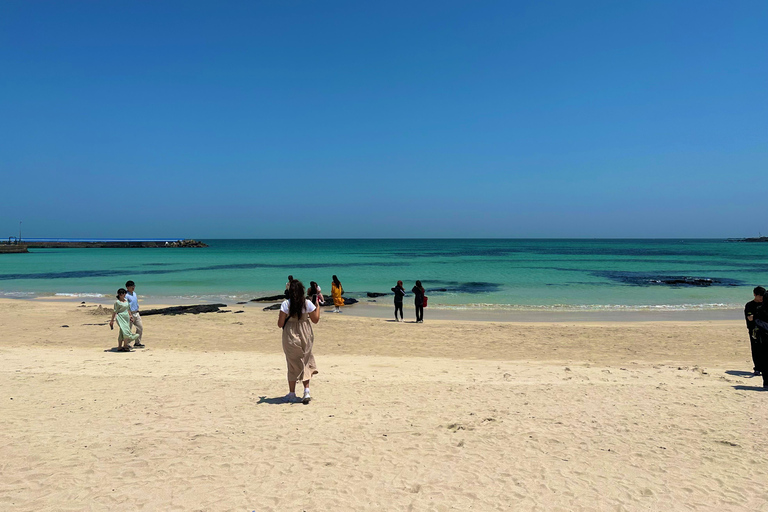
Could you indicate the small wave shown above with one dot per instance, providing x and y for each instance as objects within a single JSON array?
[
  {"x": 79, "y": 294},
  {"x": 586, "y": 307},
  {"x": 18, "y": 294}
]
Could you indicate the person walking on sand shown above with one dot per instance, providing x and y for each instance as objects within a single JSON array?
[
  {"x": 418, "y": 301},
  {"x": 750, "y": 308},
  {"x": 336, "y": 292},
  {"x": 399, "y": 294},
  {"x": 296, "y": 312},
  {"x": 133, "y": 300},
  {"x": 122, "y": 312}
]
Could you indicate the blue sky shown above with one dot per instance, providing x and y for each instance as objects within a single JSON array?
[{"x": 264, "y": 119}]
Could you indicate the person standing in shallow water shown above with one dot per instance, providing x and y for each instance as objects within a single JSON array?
[
  {"x": 399, "y": 294},
  {"x": 418, "y": 301},
  {"x": 749, "y": 315},
  {"x": 122, "y": 312},
  {"x": 295, "y": 316},
  {"x": 336, "y": 293}
]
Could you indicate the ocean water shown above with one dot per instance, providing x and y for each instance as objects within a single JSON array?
[{"x": 502, "y": 274}]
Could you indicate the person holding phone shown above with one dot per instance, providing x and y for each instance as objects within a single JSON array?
[
  {"x": 399, "y": 292},
  {"x": 295, "y": 316},
  {"x": 314, "y": 292}
]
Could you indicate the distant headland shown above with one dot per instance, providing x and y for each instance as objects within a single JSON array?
[{"x": 753, "y": 239}]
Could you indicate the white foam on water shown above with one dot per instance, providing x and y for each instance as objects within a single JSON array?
[
  {"x": 586, "y": 307},
  {"x": 63, "y": 294}
]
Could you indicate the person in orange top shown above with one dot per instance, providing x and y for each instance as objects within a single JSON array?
[{"x": 336, "y": 292}]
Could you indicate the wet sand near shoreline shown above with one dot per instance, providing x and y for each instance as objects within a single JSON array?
[
  {"x": 445, "y": 415},
  {"x": 382, "y": 308}
]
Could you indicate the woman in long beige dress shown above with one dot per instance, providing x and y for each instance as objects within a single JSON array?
[
  {"x": 296, "y": 313},
  {"x": 122, "y": 312}
]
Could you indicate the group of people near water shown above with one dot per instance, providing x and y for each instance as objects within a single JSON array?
[
  {"x": 337, "y": 290},
  {"x": 756, "y": 315},
  {"x": 299, "y": 310}
]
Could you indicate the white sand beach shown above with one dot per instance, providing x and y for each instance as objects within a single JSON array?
[{"x": 445, "y": 415}]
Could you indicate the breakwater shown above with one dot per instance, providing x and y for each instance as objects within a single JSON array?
[
  {"x": 113, "y": 244},
  {"x": 12, "y": 248}
]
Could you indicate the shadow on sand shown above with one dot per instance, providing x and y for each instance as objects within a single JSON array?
[
  {"x": 751, "y": 388},
  {"x": 272, "y": 401},
  {"x": 739, "y": 373}
]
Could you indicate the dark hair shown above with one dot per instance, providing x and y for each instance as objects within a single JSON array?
[
  {"x": 296, "y": 298},
  {"x": 290, "y": 278},
  {"x": 312, "y": 288},
  {"x": 418, "y": 285},
  {"x": 336, "y": 281},
  {"x": 399, "y": 283},
  {"x": 121, "y": 291},
  {"x": 759, "y": 290},
  {"x": 130, "y": 283}
]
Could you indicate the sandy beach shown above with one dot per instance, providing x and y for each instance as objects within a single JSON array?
[{"x": 445, "y": 415}]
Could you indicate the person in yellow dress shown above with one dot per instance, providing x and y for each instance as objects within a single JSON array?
[{"x": 336, "y": 292}]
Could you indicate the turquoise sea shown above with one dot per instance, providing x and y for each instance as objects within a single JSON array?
[{"x": 466, "y": 273}]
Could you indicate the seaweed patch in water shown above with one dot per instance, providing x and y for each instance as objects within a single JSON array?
[
  {"x": 471, "y": 287},
  {"x": 79, "y": 274}
]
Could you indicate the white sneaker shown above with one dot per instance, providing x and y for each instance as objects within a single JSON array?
[
  {"x": 306, "y": 398},
  {"x": 290, "y": 398}
]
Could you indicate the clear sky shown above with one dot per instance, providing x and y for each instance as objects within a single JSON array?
[{"x": 288, "y": 118}]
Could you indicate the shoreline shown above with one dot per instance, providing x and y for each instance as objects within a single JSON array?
[{"x": 386, "y": 311}]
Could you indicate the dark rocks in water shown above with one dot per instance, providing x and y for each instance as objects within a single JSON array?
[
  {"x": 273, "y": 307},
  {"x": 432, "y": 290},
  {"x": 224, "y": 311},
  {"x": 242, "y": 303},
  {"x": 271, "y": 298},
  {"x": 646, "y": 279},
  {"x": 373, "y": 295},
  {"x": 182, "y": 310},
  {"x": 348, "y": 301},
  {"x": 692, "y": 281}
]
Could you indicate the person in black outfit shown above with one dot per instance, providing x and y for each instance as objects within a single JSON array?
[
  {"x": 418, "y": 300},
  {"x": 749, "y": 315},
  {"x": 399, "y": 294},
  {"x": 761, "y": 354}
]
